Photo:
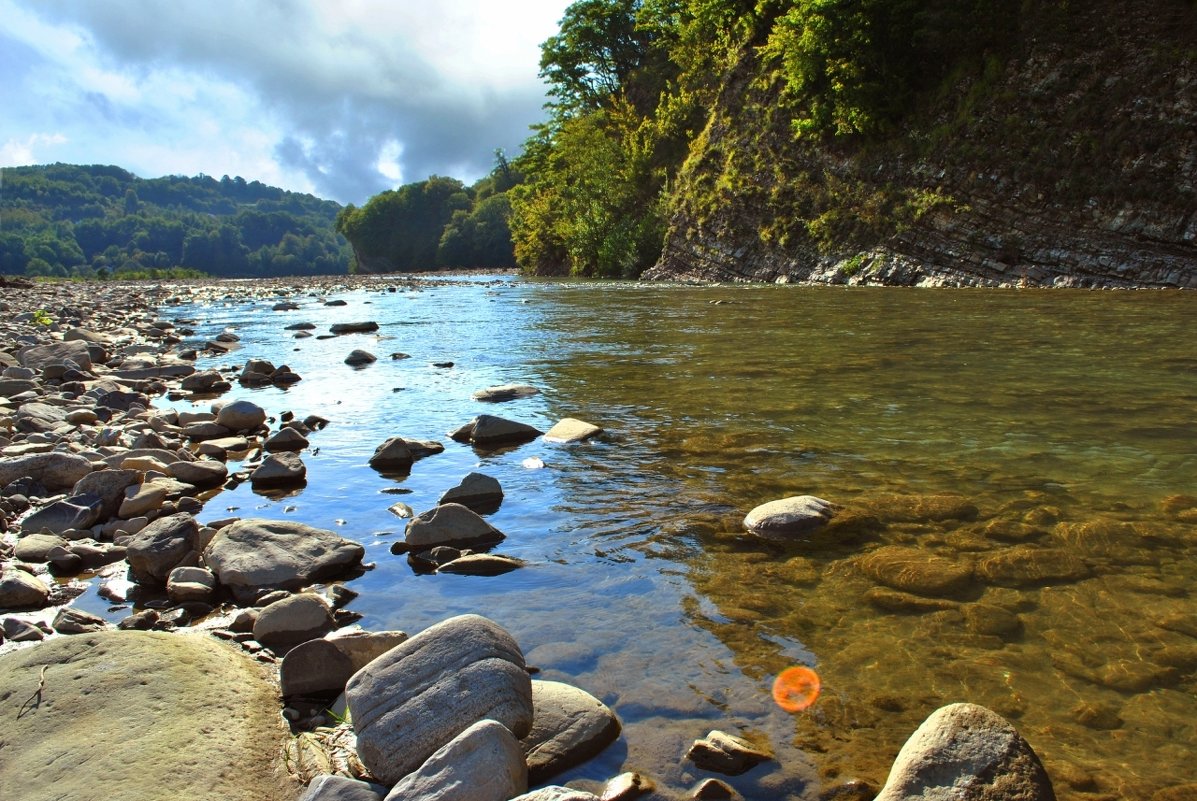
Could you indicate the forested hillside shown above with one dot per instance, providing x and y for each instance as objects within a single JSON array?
[
  {"x": 437, "y": 222},
  {"x": 894, "y": 141},
  {"x": 884, "y": 141},
  {"x": 99, "y": 221}
]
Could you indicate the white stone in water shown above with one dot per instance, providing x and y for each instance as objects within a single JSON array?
[
  {"x": 571, "y": 430},
  {"x": 795, "y": 516}
]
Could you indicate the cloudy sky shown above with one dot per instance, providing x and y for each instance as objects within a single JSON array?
[{"x": 342, "y": 99}]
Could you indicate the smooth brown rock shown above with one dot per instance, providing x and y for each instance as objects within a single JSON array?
[
  {"x": 161, "y": 546},
  {"x": 478, "y": 492},
  {"x": 323, "y": 666},
  {"x": 241, "y": 415},
  {"x": 394, "y": 454},
  {"x": 1028, "y": 565},
  {"x": 964, "y": 752},
  {"x": 56, "y": 471},
  {"x": 725, "y": 753},
  {"x": 20, "y": 590},
  {"x": 489, "y": 431},
  {"x": 569, "y": 726},
  {"x": 285, "y": 439},
  {"x": 299, "y": 618},
  {"x": 916, "y": 571},
  {"x": 279, "y": 470}
]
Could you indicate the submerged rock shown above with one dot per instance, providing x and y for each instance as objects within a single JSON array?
[
  {"x": 725, "y": 753},
  {"x": 965, "y": 752},
  {"x": 1028, "y": 565},
  {"x": 921, "y": 508},
  {"x": 916, "y": 571},
  {"x": 480, "y": 564}
]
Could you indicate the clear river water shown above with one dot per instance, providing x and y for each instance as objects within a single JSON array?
[{"x": 1042, "y": 442}]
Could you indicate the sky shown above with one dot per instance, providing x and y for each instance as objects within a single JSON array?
[{"x": 339, "y": 98}]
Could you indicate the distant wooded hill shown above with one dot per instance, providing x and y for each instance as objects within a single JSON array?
[{"x": 102, "y": 221}]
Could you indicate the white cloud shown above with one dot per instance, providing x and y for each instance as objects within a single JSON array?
[
  {"x": 17, "y": 152},
  {"x": 343, "y": 99}
]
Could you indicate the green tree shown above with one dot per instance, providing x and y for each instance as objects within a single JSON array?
[{"x": 400, "y": 230}]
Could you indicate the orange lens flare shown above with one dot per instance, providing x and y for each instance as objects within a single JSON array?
[{"x": 796, "y": 688}]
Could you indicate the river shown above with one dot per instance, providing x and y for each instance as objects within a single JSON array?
[{"x": 1045, "y": 440}]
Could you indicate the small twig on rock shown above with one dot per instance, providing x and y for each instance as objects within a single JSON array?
[{"x": 35, "y": 700}]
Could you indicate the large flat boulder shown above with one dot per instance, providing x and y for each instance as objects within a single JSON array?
[
  {"x": 139, "y": 716},
  {"x": 418, "y": 696},
  {"x": 55, "y": 471},
  {"x": 965, "y": 752},
  {"x": 256, "y": 555},
  {"x": 39, "y": 357}
]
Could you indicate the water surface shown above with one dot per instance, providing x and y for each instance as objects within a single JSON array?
[{"x": 1055, "y": 431}]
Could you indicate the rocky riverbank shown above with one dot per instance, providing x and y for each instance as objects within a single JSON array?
[{"x": 237, "y": 672}]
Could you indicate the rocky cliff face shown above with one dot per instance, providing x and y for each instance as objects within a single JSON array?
[{"x": 1069, "y": 159}]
